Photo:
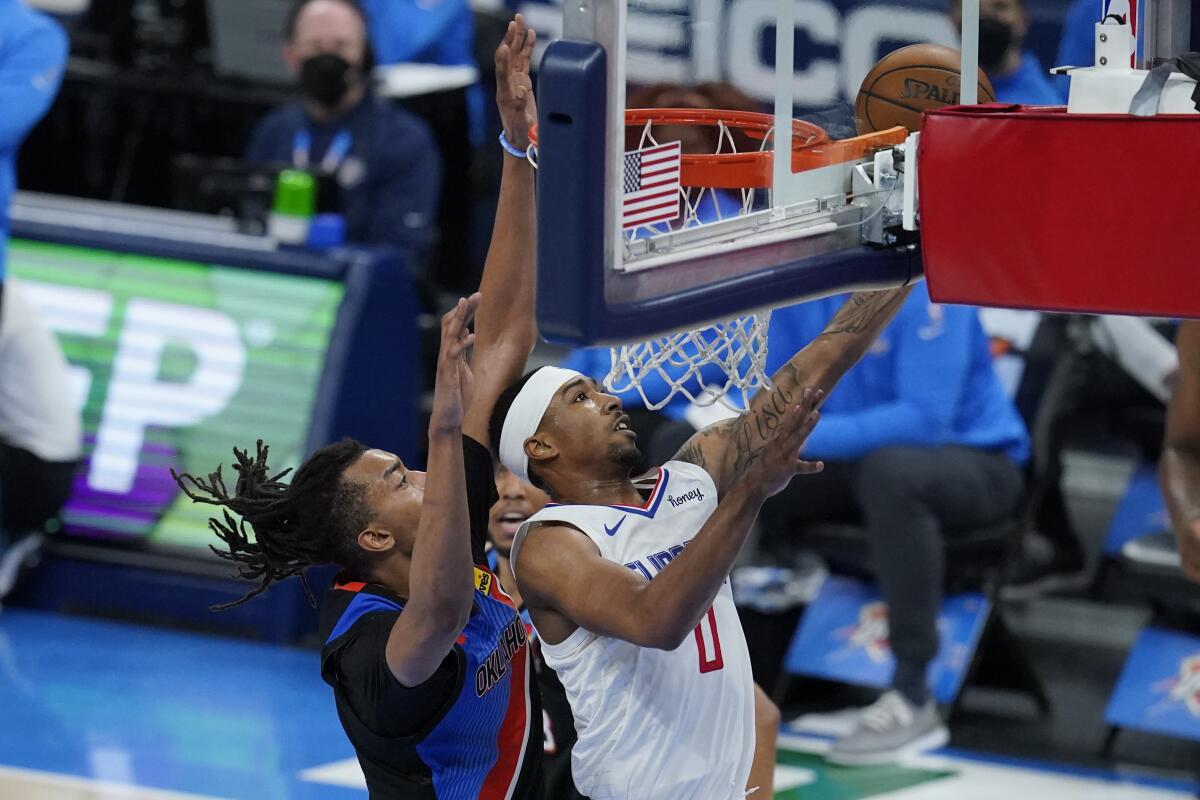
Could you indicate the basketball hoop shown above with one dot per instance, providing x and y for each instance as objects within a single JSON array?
[
  {"x": 716, "y": 189},
  {"x": 705, "y": 365}
]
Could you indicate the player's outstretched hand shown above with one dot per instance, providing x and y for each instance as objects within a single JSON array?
[
  {"x": 779, "y": 460},
  {"x": 514, "y": 89},
  {"x": 452, "y": 383}
]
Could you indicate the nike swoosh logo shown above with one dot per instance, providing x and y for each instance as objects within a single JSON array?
[{"x": 613, "y": 530}]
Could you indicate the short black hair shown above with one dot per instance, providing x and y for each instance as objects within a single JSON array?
[
  {"x": 314, "y": 520},
  {"x": 496, "y": 422}
]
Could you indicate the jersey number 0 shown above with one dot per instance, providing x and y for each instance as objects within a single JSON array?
[{"x": 705, "y": 631}]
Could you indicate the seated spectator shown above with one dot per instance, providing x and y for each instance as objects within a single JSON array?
[
  {"x": 384, "y": 159},
  {"x": 919, "y": 441},
  {"x": 1015, "y": 73},
  {"x": 40, "y": 431}
]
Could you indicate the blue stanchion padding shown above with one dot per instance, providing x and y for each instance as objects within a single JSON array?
[
  {"x": 572, "y": 103},
  {"x": 1159, "y": 689},
  {"x": 1140, "y": 512},
  {"x": 843, "y": 637}
]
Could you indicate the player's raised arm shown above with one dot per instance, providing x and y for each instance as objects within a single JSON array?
[
  {"x": 504, "y": 325},
  {"x": 728, "y": 448},
  {"x": 440, "y": 582},
  {"x": 561, "y": 570},
  {"x": 1179, "y": 468}
]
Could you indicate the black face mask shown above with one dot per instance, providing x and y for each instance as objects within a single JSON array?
[
  {"x": 995, "y": 39},
  {"x": 326, "y": 78}
]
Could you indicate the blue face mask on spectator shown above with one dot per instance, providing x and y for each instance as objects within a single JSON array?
[{"x": 326, "y": 78}]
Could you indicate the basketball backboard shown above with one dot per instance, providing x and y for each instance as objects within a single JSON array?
[
  {"x": 807, "y": 232},
  {"x": 800, "y": 235}
]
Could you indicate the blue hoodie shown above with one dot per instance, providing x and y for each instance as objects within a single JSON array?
[
  {"x": 927, "y": 381},
  {"x": 33, "y": 50},
  {"x": 1030, "y": 84},
  {"x": 1077, "y": 48}
]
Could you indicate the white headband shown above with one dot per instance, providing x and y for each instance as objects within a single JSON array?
[{"x": 526, "y": 414}]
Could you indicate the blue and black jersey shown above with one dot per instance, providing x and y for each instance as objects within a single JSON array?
[
  {"x": 473, "y": 729},
  {"x": 558, "y": 721}
]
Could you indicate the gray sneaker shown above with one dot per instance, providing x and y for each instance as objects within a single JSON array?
[{"x": 888, "y": 730}]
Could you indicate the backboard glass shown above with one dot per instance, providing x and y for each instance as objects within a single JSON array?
[{"x": 804, "y": 237}]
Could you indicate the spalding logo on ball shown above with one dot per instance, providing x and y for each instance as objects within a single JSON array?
[{"x": 911, "y": 80}]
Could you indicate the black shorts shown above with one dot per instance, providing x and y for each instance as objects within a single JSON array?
[{"x": 32, "y": 490}]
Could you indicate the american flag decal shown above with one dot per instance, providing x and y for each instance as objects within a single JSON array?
[{"x": 651, "y": 185}]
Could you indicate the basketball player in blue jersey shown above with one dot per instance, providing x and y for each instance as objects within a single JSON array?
[
  {"x": 626, "y": 579},
  {"x": 517, "y": 502},
  {"x": 427, "y": 656}
]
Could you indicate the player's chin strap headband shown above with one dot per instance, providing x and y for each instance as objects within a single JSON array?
[{"x": 526, "y": 414}]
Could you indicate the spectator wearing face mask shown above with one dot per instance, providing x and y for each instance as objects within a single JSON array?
[
  {"x": 1015, "y": 73},
  {"x": 383, "y": 159}
]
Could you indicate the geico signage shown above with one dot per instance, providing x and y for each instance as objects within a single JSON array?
[
  {"x": 135, "y": 397},
  {"x": 837, "y": 43}
]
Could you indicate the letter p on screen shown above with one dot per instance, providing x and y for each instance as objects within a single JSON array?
[{"x": 137, "y": 399}]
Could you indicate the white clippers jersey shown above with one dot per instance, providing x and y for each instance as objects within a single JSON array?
[{"x": 656, "y": 724}]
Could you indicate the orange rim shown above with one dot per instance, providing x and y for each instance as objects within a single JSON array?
[
  {"x": 811, "y": 146},
  {"x": 746, "y": 170}
]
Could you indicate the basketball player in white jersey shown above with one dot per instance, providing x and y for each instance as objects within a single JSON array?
[{"x": 626, "y": 579}]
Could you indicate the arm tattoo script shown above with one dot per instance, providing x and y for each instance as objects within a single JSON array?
[
  {"x": 863, "y": 316},
  {"x": 705, "y": 448},
  {"x": 731, "y": 447},
  {"x": 750, "y": 432},
  {"x": 862, "y": 311}
]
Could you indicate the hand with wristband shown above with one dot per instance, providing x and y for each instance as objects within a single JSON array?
[{"x": 514, "y": 89}]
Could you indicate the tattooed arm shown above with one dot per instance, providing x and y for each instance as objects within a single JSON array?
[{"x": 727, "y": 448}]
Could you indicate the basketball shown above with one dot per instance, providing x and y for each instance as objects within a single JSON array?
[{"x": 908, "y": 81}]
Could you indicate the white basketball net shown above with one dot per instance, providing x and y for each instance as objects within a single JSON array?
[
  {"x": 724, "y": 362},
  {"x": 705, "y": 365}
]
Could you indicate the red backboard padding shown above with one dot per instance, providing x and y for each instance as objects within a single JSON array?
[{"x": 1031, "y": 207}]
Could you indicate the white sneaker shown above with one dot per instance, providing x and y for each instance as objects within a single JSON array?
[{"x": 890, "y": 729}]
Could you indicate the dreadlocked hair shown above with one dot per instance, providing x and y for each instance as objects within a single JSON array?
[{"x": 314, "y": 520}]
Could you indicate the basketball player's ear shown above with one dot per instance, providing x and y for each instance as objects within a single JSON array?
[
  {"x": 376, "y": 540},
  {"x": 540, "y": 449}
]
